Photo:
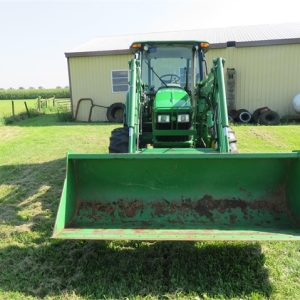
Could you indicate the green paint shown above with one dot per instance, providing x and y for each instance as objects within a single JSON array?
[
  {"x": 174, "y": 132},
  {"x": 220, "y": 196},
  {"x": 187, "y": 186},
  {"x": 172, "y": 98},
  {"x": 256, "y": 234},
  {"x": 204, "y": 101}
]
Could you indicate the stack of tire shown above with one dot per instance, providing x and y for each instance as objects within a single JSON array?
[
  {"x": 240, "y": 116},
  {"x": 265, "y": 116}
]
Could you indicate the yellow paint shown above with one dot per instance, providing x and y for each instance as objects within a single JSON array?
[
  {"x": 91, "y": 78},
  {"x": 265, "y": 76}
]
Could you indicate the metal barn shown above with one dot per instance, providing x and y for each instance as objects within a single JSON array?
[{"x": 262, "y": 67}]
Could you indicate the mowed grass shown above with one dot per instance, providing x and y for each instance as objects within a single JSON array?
[
  {"x": 32, "y": 104},
  {"x": 33, "y": 266},
  {"x": 6, "y": 107}
]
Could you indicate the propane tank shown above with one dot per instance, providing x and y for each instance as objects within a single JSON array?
[{"x": 296, "y": 103}]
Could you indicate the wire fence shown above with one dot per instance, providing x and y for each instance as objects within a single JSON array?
[
  {"x": 14, "y": 110},
  {"x": 11, "y": 108}
]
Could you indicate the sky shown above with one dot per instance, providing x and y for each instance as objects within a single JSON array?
[{"x": 35, "y": 34}]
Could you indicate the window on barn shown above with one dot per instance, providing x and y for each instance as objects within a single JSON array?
[{"x": 119, "y": 81}]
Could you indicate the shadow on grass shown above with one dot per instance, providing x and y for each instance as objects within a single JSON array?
[
  {"x": 37, "y": 266},
  {"x": 117, "y": 270},
  {"x": 30, "y": 195},
  {"x": 54, "y": 120}
]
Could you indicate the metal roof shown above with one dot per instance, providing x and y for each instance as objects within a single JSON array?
[{"x": 242, "y": 36}]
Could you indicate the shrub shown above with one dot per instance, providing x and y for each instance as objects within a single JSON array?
[
  {"x": 7, "y": 120},
  {"x": 64, "y": 114},
  {"x": 65, "y": 117}
]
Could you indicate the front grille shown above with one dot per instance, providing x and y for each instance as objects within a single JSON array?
[
  {"x": 184, "y": 125},
  {"x": 164, "y": 126}
]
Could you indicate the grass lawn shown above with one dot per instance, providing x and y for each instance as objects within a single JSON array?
[
  {"x": 6, "y": 106},
  {"x": 33, "y": 266}
]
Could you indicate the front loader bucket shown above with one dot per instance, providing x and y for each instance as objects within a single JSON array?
[{"x": 180, "y": 197}]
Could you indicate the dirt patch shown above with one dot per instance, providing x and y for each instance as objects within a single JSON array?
[
  {"x": 125, "y": 209},
  {"x": 129, "y": 209},
  {"x": 9, "y": 133},
  {"x": 265, "y": 135},
  {"x": 206, "y": 209},
  {"x": 207, "y": 206}
]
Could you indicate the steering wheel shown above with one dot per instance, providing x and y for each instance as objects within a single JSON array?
[{"x": 173, "y": 78}]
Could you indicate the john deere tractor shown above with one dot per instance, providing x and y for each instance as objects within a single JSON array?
[
  {"x": 171, "y": 173},
  {"x": 173, "y": 102}
]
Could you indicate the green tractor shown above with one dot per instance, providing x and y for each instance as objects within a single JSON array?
[
  {"x": 173, "y": 102},
  {"x": 173, "y": 172}
]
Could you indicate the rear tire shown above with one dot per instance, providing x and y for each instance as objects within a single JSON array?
[
  {"x": 232, "y": 141},
  {"x": 119, "y": 140}
]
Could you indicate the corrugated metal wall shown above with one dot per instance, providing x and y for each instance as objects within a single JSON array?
[
  {"x": 265, "y": 76},
  {"x": 91, "y": 78}
]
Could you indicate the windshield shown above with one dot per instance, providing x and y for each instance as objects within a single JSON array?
[{"x": 167, "y": 66}]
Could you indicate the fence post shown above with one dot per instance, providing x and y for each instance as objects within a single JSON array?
[
  {"x": 13, "y": 108},
  {"x": 39, "y": 103},
  {"x": 27, "y": 110}
]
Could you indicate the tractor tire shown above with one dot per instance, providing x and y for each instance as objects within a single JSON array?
[
  {"x": 232, "y": 141},
  {"x": 237, "y": 113},
  {"x": 115, "y": 113},
  {"x": 232, "y": 114},
  {"x": 269, "y": 118},
  {"x": 243, "y": 116},
  {"x": 119, "y": 140},
  {"x": 258, "y": 112}
]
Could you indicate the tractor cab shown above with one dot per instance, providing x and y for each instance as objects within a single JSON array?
[
  {"x": 171, "y": 64},
  {"x": 169, "y": 72}
]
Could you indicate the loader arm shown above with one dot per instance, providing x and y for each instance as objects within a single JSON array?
[
  {"x": 173, "y": 175},
  {"x": 212, "y": 107},
  {"x": 133, "y": 105}
]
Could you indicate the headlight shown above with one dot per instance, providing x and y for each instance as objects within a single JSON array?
[
  {"x": 183, "y": 118},
  {"x": 163, "y": 118}
]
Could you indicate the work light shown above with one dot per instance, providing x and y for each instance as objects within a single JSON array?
[
  {"x": 163, "y": 118},
  {"x": 183, "y": 118}
]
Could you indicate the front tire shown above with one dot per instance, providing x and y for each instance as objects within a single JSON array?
[{"x": 119, "y": 140}]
